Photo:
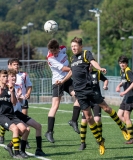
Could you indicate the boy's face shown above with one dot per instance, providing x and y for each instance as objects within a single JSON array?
[
  {"x": 12, "y": 78},
  {"x": 3, "y": 78},
  {"x": 15, "y": 66},
  {"x": 123, "y": 65},
  {"x": 76, "y": 48}
]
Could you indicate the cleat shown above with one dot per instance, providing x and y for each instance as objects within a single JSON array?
[
  {"x": 82, "y": 146},
  {"x": 9, "y": 149},
  {"x": 125, "y": 134},
  {"x": 39, "y": 152},
  {"x": 23, "y": 154},
  {"x": 27, "y": 145},
  {"x": 129, "y": 141},
  {"x": 18, "y": 156},
  {"x": 49, "y": 136},
  {"x": 2, "y": 139},
  {"x": 101, "y": 147},
  {"x": 74, "y": 125}
]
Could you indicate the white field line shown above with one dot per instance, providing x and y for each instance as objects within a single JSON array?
[
  {"x": 65, "y": 111},
  {"x": 30, "y": 154}
]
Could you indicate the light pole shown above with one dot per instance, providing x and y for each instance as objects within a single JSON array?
[
  {"x": 97, "y": 14},
  {"x": 29, "y": 25},
  {"x": 123, "y": 39},
  {"x": 23, "y": 28},
  {"x": 131, "y": 37}
]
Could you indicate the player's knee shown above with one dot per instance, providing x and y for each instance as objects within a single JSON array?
[
  {"x": 39, "y": 126},
  {"x": 89, "y": 118}
]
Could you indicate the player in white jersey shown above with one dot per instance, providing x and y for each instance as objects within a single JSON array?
[{"x": 59, "y": 65}]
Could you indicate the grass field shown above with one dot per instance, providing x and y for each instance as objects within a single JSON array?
[{"x": 67, "y": 141}]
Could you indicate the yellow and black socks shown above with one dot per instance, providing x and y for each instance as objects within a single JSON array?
[
  {"x": 2, "y": 131},
  {"x": 130, "y": 130},
  {"x": 114, "y": 116},
  {"x": 83, "y": 131},
  {"x": 16, "y": 144},
  {"x": 99, "y": 127},
  {"x": 95, "y": 132}
]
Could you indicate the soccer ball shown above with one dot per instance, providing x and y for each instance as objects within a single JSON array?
[{"x": 50, "y": 26}]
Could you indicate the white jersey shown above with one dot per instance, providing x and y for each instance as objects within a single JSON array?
[
  {"x": 23, "y": 81},
  {"x": 18, "y": 105},
  {"x": 57, "y": 63}
]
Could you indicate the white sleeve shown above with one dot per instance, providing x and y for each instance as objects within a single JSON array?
[
  {"x": 54, "y": 63},
  {"x": 28, "y": 82}
]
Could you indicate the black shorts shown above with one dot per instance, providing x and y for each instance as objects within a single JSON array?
[
  {"x": 6, "y": 121},
  {"x": 25, "y": 106},
  {"x": 126, "y": 106},
  {"x": 86, "y": 96},
  {"x": 58, "y": 90},
  {"x": 22, "y": 116},
  {"x": 96, "y": 110}
]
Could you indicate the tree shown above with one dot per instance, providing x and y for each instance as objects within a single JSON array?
[{"x": 8, "y": 47}]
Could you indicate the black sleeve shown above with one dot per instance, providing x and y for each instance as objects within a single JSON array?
[
  {"x": 102, "y": 77},
  {"x": 130, "y": 75},
  {"x": 89, "y": 56}
]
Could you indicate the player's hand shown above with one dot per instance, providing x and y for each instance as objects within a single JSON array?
[
  {"x": 103, "y": 70},
  {"x": 122, "y": 94},
  {"x": 105, "y": 87},
  {"x": 27, "y": 96},
  {"x": 58, "y": 82},
  {"x": 11, "y": 88},
  {"x": 117, "y": 89}
]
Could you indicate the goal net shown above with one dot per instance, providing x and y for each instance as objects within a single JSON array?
[{"x": 41, "y": 78}]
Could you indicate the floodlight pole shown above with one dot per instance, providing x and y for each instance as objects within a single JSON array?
[{"x": 97, "y": 14}]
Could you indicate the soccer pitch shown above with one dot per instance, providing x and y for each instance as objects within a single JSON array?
[{"x": 67, "y": 141}]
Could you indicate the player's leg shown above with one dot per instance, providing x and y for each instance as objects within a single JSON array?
[
  {"x": 25, "y": 111},
  {"x": 129, "y": 126},
  {"x": 57, "y": 93},
  {"x": 93, "y": 127},
  {"x": 112, "y": 113},
  {"x": 37, "y": 126},
  {"x": 12, "y": 126},
  {"x": 2, "y": 134},
  {"x": 120, "y": 112},
  {"x": 97, "y": 117},
  {"x": 83, "y": 131},
  {"x": 68, "y": 87}
]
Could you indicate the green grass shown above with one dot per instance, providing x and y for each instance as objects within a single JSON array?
[{"x": 67, "y": 141}]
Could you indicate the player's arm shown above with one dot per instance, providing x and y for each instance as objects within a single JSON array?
[
  {"x": 13, "y": 96},
  {"x": 67, "y": 77},
  {"x": 130, "y": 75},
  {"x": 118, "y": 87},
  {"x": 65, "y": 69},
  {"x": 97, "y": 66},
  {"x": 105, "y": 81},
  {"x": 28, "y": 85}
]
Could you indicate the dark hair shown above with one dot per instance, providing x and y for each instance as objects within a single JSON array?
[
  {"x": 53, "y": 44},
  {"x": 3, "y": 71},
  {"x": 77, "y": 40},
  {"x": 123, "y": 59},
  {"x": 12, "y": 60},
  {"x": 11, "y": 72}
]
